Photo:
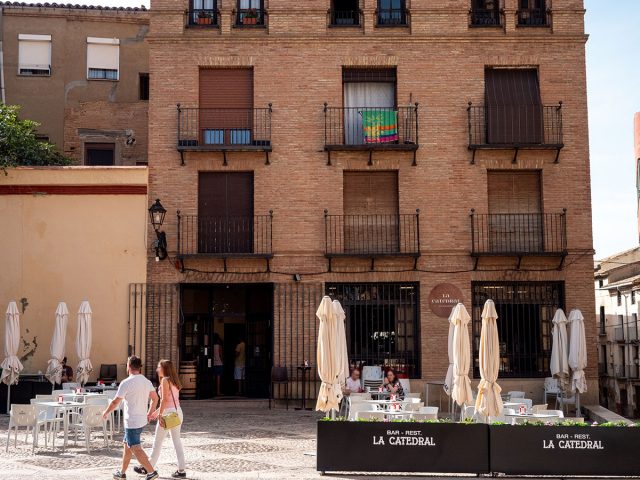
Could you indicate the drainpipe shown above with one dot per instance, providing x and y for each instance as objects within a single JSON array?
[{"x": 2, "y": 95}]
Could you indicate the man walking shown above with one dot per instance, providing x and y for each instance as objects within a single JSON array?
[
  {"x": 240, "y": 361},
  {"x": 135, "y": 391}
]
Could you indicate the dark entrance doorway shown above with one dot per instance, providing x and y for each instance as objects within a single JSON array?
[{"x": 234, "y": 312}]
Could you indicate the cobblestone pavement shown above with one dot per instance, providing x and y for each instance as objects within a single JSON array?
[{"x": 231, "y": 439}]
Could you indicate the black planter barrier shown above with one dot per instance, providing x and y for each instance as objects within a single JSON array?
[
  {"x": 402, "y": 447},
  {"x": 556, "y": 450}
]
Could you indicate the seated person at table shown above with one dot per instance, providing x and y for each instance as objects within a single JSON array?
[
  {"x": 67, "y": 372},
  {"x": 353, "y": 383},
  {"x": 392, "y": 384}
]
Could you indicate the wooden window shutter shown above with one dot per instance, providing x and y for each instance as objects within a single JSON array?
[
  {"x": 514, "y": 192},
  {"x": 514, "y": 109},
  {"x": 369, "y": 193}
]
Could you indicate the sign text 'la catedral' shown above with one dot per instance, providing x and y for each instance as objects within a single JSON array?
[
  {"x": 579, "y": 441},
  {"x": 408, "y": 437}
]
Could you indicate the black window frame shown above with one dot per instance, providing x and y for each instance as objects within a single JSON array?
[
  {"x": 99, "y": 146},
  {"x": 193, "y": 15},
  {"x": 481, "y": 16},
  {"x": 345, "y": 18},
  {"x": 533, "y": 13},
  {"x": 392, "y": 16},
  {"x": 143, "y": 86},
  {"x": 533, "y": 361}
]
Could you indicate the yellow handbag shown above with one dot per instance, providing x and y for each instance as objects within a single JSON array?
[{"x": 171, "y": 419}]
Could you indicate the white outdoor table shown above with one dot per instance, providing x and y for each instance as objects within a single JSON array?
[
  {"x": 385, "y": 403},
  {"x": 64, "y": 408},
  {"x": 530, "y": 416},
  {"x": 75, "y": 396}
]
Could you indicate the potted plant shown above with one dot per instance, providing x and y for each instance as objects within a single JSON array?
[
  {"x": 250, "y": 17},
  {"x": 204, "y": 18}
]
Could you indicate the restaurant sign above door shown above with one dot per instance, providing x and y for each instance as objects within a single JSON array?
[{"x": 443, "y": 298}]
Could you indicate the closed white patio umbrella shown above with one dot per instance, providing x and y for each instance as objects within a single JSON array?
[
  {"x": 341, "y": 344},
  {"x": 54, "y": 366},
  {"x": 577, "y": 355},
  {"x": 328, "y": 368},
  {"x": 448, "y": 379},
  {"x": 83, "y": 343},
  {"x": 460, "y": 319},
  {"x": 11, "y": 366},
  {"x": 560, "y": 350},
  {"x": 489, "y": 402}
]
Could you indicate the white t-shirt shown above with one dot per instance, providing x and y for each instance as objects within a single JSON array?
[
  {"x": 353, "y": 385},
  {"x": 134, "y": 390}
]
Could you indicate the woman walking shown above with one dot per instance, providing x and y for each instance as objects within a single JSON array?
[
  {"x": 169, "y": 392},
  {"x": 218, "y": 365}
]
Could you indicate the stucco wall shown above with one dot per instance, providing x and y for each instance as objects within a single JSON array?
[{"x": 84, "y": 239}]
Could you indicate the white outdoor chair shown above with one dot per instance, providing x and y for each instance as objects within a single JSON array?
[
  {"x": 550, "y": 388},
  {"x": 70, "y": 386},
  {"x": 370, "y": 415},
  {"x": 515, "y": 394},
  {"x": 360, "y": 407},
  {"x": 563, "y": 402},
  {"x": 412, "y": 395},
  {"x": 362, "y": 395},
  {"x": 429, "y": 410},
  {"x": 406, "y": 385},
  {"x": 24, "y": 416},
  {"x": 45, "y": 398},
  {"x": 556, "y": 413},
  {"x": 413, "y": 400},
  {"x": 371, "y": 377},
  {"x": 119, "y": 411},
  {"x": 538, "y": 408},
  {"x": 503, "y": 416},
  {"x": 90, "y": 420},
  {"x": 412, "y": 407},
  {"x": 420, "y": 417},
  {"x": 52, "y": 421}
]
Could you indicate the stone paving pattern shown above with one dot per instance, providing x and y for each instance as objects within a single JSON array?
[{"x": 232, "y": 439}]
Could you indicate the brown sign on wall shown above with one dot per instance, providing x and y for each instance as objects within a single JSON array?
[{"x": 443, "y": 298}]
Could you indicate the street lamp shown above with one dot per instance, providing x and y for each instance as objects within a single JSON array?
[{"x": 156, "y": 215}]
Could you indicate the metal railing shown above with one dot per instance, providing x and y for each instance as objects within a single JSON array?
[
  {"x": 250, "y": 17},
  {"x": 518, "y": 233},
  {"x": 632, "y": 332},
  {"x": 486, "y": 17},
  {"x": 371, "y": 127},
  {"x": 367, "y": 235},
  {"x": 618, "y": 334},
  {"x": 533, "y": 17},
  {"x": 203, "y": 17},
  {"x": 225, "y": 235},
  {"x": 620, "y": 371},
  {"x": 388, "y": 17},
  {"x": 515, "y": 125},
  {"x": 229, "y": 128},
  {"x": 631, "y": 371},
  {"x": 345, "y": 18}
]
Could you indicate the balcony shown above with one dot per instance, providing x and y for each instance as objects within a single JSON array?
[
  {"x": 392, "y": 17},
  {"x": 533, "y": 17},
  {"x": 250, "y": 17},
  {"x": 618, "y": 334},
  {"x": 202, "y": 17},
  {"x": 225, "y": 237},
  {"x": 515, "y": 127},
  {"x": 632, "y": 332},
  {"x": 519, "y": 235},
  {"x": 483, "y": 17},
  {"x": 224, "y": 130},
  {"x": 370, "y": 129},
  {"x": 620, "y": 371},
  {"x": 345, "y": 18},
  {"x": 631, "y": 372},
  {"x": 372, "y": 236}
]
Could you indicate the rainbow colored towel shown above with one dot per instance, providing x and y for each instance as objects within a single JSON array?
[{"x": 380, "y": 126}]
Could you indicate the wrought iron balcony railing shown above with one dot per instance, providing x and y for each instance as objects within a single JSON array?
[
  {"x": 224, "y": 129},
  {"x": 515, "y": 126},
  {"x": 519, "y": 234},
  {"x": 485, "y": 17},
  {"x": 392, "y": 17},
  {"x": 345, "y": 18},
  {"x": 250, "y": 17},
  {"x": 225, "y": 236},
  {"x": 533, "y": 17},
  {"x": 372, "y": 235},
  {"x": 203, "y": 17}
]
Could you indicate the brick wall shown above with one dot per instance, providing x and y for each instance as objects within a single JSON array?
[{"x": 440, "y": 63}]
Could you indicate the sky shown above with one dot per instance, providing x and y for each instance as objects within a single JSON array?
[{"x": 613, "y": 76}]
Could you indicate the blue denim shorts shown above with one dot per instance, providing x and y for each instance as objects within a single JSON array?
[{"x": 132, "y": 436}]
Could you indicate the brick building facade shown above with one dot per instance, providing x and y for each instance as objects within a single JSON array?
[
  {"x": 82, "y": 73},
  {"x": 395, "y": 156}
]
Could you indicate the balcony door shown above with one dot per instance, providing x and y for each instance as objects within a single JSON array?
[
  {"x": 371, "y": 212},
  {"x": 368, "y": 91},
  {"x": 513, "y": 106},
  {"x": 225, "y": 213},
  {"x": 515, "y": 208},
  {"x": 226, "y": 106}
]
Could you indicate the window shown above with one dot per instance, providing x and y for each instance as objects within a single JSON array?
[
  {"x": 513, "y": 106},
  {"x": 103, "y": 58},
  {"x": 633, "y": 297},
  {"x": 619, "y": 298},
  {"x": 250, "y": 12},
  {"x": 532, "y": 13},
  {"x": 392, "y": 12},
  {"x": 42, "y": 138},
  {"x": 525, "y": 311},
  {"x": 99, "y": 154},
  {"x": 345, "y": 13},
  {"x": 143, "y": 93},
  {"x": 203, "y": 12},
  {"x": 382, "y": 324},
  {"x": 34, "y": 55},
  {"x": 603, "y": 320},
  {"x": 485, "y": 13},
  {"x": 369, "y": 92},
  {"x": 600, "y": 282}
]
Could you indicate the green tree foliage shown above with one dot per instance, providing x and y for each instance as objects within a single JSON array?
[{"x": 19, "y": 145}]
